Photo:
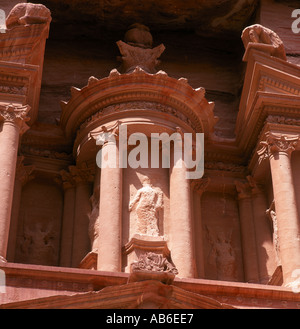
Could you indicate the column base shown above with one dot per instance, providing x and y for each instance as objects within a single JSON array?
[{"x": 148, "y": 258}]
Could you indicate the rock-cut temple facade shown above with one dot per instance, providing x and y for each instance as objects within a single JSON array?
[{"x": 90, "y": 217}]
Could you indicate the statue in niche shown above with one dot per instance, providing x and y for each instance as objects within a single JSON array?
[
  {"x": 94, "y": 222},
  {"x": 222, "y": 255},
  {"x": 147, "y": 203}
]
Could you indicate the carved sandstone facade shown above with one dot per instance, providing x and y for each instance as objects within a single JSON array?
[{"x": 116, "y": 236}]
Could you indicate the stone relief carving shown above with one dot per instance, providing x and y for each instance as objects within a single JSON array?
[
  {"x": 94, "y": 221},
  {"x": 147, "y": 203},
  {"x": 153, "y": 262},
  {"x": 272, "y": 216},
  {"x": 37, "y": 243},
  {"x": 28, "y": 13},
  {"x": 137, "y": 50},
  {"x": 222, "y": 255},
  {"x": 262, "y": 38}
]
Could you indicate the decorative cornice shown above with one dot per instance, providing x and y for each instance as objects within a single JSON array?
[{"x": 111, "y": 94}]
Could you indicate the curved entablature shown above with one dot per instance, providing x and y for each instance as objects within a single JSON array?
[{"x": 138, "y": 93}]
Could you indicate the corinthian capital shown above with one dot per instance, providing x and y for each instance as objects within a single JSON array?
[
  {"x": 276, "y": 143},
  {"x": 15, "y": 114},
  {"x": 200, "y": 185}
]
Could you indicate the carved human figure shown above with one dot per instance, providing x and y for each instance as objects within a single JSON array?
[
  {"x": 28, "y": 13},
  {"x": 222, "y": 255},
  {"x": 272, "y": 215},
  {"x": 262, "y": 38},
  {"x": 147, "y": 203},
  {"x": 94, "y": 222}
]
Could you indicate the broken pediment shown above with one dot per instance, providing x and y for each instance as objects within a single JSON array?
[{"x": 137, "y": 295}]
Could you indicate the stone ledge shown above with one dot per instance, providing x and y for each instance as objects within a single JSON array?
[{"x": 30, "y": 282}]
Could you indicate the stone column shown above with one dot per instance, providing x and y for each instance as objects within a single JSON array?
[
  {"x": 199, "y": 186},
  {"x": 81, "y": 242},
  {"x": 181, "y": 230},
  {"x": 68, "y": 219},
  {"x": 264, "y": 241},
  {"x": 22, "y": 177},
  {"x": 247, "y": 233},
  {"x": 110, "y": 208},
  {"x": 278, "y": 148},
  {"x": 13, "y": 125}
]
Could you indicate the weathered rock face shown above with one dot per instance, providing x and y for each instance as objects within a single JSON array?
[{"x": 206, "y": 17}]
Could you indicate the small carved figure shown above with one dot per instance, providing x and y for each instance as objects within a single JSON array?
[
  {"x": 28, "y": 13},
  {"x": 148, "y": 202},
  {"x": 223, "y": 255},
  {"x": 94, "y": 222},
  {"x": 262, "y": 38},
  {"x": 272, "y": 215}
]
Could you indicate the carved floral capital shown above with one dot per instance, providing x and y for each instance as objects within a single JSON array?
[
  {"x": 81, "y": 174},
  {"x": 15, "y": 114},
  {"x": 276, "y": 143}
]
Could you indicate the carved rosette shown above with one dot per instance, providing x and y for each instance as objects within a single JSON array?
[
  {"x": 16, "y": 115},
  {"x": 277, "y": 143}
]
